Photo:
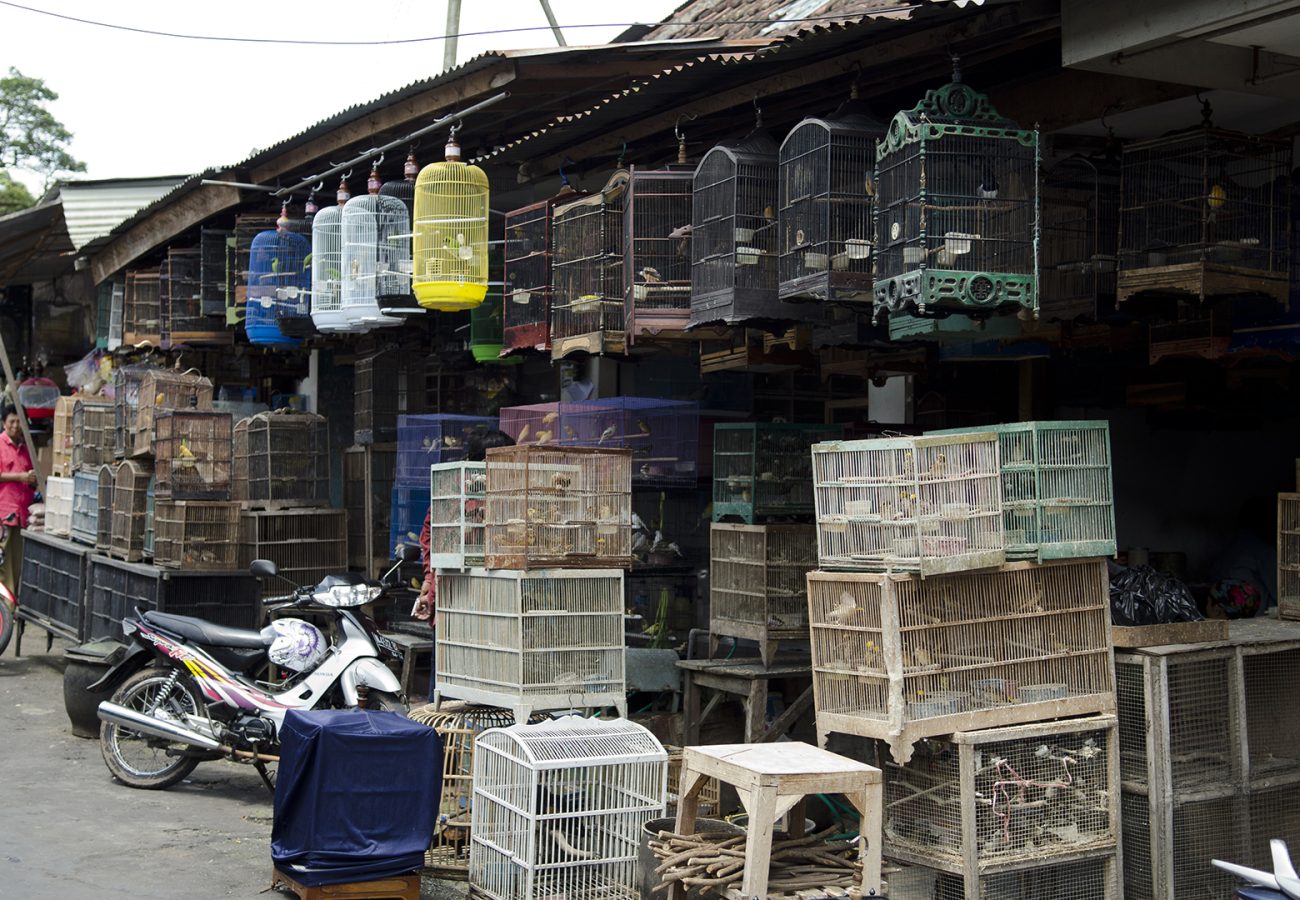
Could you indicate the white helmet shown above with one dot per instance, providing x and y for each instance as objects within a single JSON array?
[{"x": 297, "y": 645}]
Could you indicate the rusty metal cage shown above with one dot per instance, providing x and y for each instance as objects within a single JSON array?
[
  {"x": 758, "y": 583},
  {"x": 305, "y": 544},
  {"x": 551, "y": 507},
  {"x": 1094, "y": 876},
  {"x": 656, "y": 253},
  {"x": 1080, "y": 237},
  {"x": 909, "y": 504},
  {"x": 528, "y": 286},
  {"x": 130, "y": 486},
  {"x": 192, "y": 455},
  {"x": 826, "y": 207},
  {"x": 281, "y": 458},
  {"x": 92, "y": 433},
  {"x": 142, "y": 309},
  {"x": 1205, "y": 213},
  {"x": 587, "y": 312},
  {"x": 160, "y": 390},
  {"x": 388, "y": 384},
  {"x": 1288, "y": 556},
  {"x": 764, "y": 469},
  {"x": 196, "y": 534},
  {"x": 900, "y": 658},
  {"x": 104, "y": 477}
]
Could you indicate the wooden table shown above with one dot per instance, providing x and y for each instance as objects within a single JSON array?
[
  {"x": 749, "y": 681},
  {"x": 412, "y": 647},
  {"x": 773, "y": 779}
]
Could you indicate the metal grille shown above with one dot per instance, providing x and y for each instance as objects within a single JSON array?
[
  {"x": 104, "y": 312},
  {"x": 1288, "y": 555},
  {"x": 130, "y": 484},
  {"x": 92, "y": 433},
  {"x": 1131, "y": 700},
  {"x": 587, "y": 267},
  {"x": 457, "y": 498},
  {"x": 930, "y": 504},
  {"x": 531, "y": 641},
  {"x": 663, "y": 435},
  {"x": 85, "y": 507},
  {"x": 376, "y": 258},
  {"x": 212, "y": 273},
  {"x": 1080, "y": 222},
  {"x": 757, "y": 582},
  {"x": 192, "y": 455},
  {"x": 160, "y": 390},
  {"x": 281, "y": 457},
  {"x": 559, "y": 808},
  {"x": 561, "y": 508},
  {"x": 526, "y": 325},
  {"x": 1200, "y": 740},
  {"x": 764, "y": 469},
  {"x": 141, "y": 309},
  {"x": 305, "y": 544},
  {"x": 181, "y": 297},
  {"x": 104, "y": 500},
  {"x": 1273, "y": 814},
  {"x": 279, "y": 288},
  {"x": 116, "y": 315},
  {"x": 196, "y": 534},
  {"x": 52, "y": 585},
  {"x": 657, "y": 264},
  {"x": 58, "y": 506},
  {"x": 1272, "y": 736},
  {"x": 425, "y": 440},
  {"x": 902, "y": 658},
  {"x": 1136, "y": 832},
  {"x": 1202, "y": 831},
  {"x": 957, "y": 218}
]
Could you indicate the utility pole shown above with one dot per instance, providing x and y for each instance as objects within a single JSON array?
[
  {"x": 555, "y": 26},
  {"x": 453, "y": 35}
]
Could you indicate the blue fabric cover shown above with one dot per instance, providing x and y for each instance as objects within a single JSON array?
[
  {"x": 356, "y": 795},
  {"x": 1259, "y": 893}
]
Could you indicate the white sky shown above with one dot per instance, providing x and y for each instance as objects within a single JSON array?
[{"x": 145, "y": 105}]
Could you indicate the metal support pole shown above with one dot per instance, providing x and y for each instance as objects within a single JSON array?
[
  {"x": 22, "y": 413},
  {"x": 555, "y": 26},
  {"x": 453, "y": 35}
]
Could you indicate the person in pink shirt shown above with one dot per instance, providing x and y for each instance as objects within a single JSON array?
[{"x": 17, "y": 489}]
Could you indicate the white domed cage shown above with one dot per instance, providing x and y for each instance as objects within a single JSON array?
[
  {"x": 327, "y": 272},
  {"x": 376, "y": 259}
]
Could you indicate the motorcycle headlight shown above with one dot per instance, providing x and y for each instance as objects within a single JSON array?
[{"x": 346, "y": 596}]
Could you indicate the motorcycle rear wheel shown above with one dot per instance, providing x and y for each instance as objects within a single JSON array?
[{"x": 138, "y": 760}]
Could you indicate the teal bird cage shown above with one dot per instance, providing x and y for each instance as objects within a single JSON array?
[
  {"x": 763, "y": 470},
  {"x": 957, "y": 224}
]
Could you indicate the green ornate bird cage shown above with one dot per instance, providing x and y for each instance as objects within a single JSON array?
[{"x": 957, "y": 221}]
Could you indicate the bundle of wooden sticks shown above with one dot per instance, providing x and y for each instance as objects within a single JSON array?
[{"x": 712, "y": 863}]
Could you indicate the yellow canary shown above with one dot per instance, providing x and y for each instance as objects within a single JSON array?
[{"x": 1218, "y": 196}]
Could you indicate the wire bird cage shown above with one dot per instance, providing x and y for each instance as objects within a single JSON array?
[
  {"x": 281, "y": 458},
  {"x": 956, "y": 208},
  {"x": 1080, "y": 237},
  {"x": 191, "y": 534},
  {"x": 435, "y": 438},
  {"x": 526, "y": 324},
  {"x": 126, "y": 405},
  {"x": 1288, "y": 556},
  {"x": 212, "y": 274},
  {"x": 825, "y": 207},
  {"x": 367, "y": 495},
  {"x": 587, "y": 312},
  {"x": 450, "y": 239},
  {"x": 181, "y": 299},
  {"x": 559, "y": 808},
  {"x": 305, "y": 544},
  {"x": 1005, "y": 799},
  {"x": 485, "y": 325},
  {"x": 162, "y": 390},
  {"x": 757, "y": 583},
  {"x": 327, "y": 268},
  {"x": 567, "y": 507},
  {"x": 116, "y": 315},
  {"x": 375, "y": 235},
  {"x": 531, "y": 641},
  {"x": 104, "y": 477},
  {"x": 931, "y": 504},
  {"x": 150, "y": 502},
  {"x": 141, "y": 309},
  {"x": 279, "y": 287},
  {"x": 396, "y": 298},
  {"x": 103, "y": 313},
  {"x": 85, "y": 507},
  {"x": 533, "y": 423},
  {"x": 58, "y": 506},
  {"x": 1095, "y": 876},
  {"x": 238, "y": 255},
  {"x": 388, "y": 384},
  {"x": 764, "y": 469},
  {"x": 131, "y": 482},
  {"x": 192, "y": 452},
  {"x": 657, "y": 249},
  {"x": 1210, "y": 761},
  {"x": 1205, "y": 213},
  {"x": 457, "y": 511},
  {"x": 1058, "y": 499},
  {"x": 663, "y": 435},
  {"x": 61, "y": 437},
  {"x": 407, "y": 511},
  {"x": 900, "y": 658}
]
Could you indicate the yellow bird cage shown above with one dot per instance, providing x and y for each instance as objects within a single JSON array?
[{"x": 451, "y": 234}]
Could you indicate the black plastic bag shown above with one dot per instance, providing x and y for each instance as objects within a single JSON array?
[{"x": 1139, "y": 595}]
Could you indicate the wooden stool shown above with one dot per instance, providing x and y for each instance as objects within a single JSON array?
[
  {"x": 773, "y": 779},
  {"x": 400, "y": 887},
  {"x": 747, "y": 681},
  {"x": 412, "y": 648}
]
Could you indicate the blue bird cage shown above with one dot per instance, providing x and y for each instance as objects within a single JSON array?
[{"x": 277, "y": 277}]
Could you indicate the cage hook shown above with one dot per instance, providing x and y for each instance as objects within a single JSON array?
[
  {"x": 378, "y": 162},
  {"x": 451, "y": 132},
  {"x": 1207, "y": 111},
  {"x": 956, "y": 67},
  {"x": 677, "y": 128},
  {"x": 621, "y": 153},
  {"x": 758, "y": 113},
  {"x": 564, "y": 179},
  {"x": 320, "y": 186}
]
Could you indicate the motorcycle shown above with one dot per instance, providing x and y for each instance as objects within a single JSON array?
[
  {"x": 186, "y": 690},
  {"x": 1280, "y": 884}
]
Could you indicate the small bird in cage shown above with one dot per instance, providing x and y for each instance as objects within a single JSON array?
[
  {"x": 569, "y": 433},
  {"x": 608, "y": 433},
  {"x": 543, "y": 436},
  {"x": 650, "y": 275},
  {"x": 561, "y": 481},
  {"x": 550, "y": 417},
  {"x": 523, "y": 434},
  {"x": 643, "y": 427},
  {"x": 989, "y": 186},
  {"x": 451, "y": 440}
]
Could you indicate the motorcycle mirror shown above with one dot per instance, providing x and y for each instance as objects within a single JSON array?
[
  {"x": 408, "y": 552},
  {"x": 263, "y": 568}
]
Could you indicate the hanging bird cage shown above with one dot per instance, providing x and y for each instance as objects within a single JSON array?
[
  {"x": 485, "y": 327},
  {"x": 451, "y": 234},
  {"x": 1080, "y": 237},
  {"x": 956, "y": 208},
  {"x": 396, "y": 298},
  {"x": 587, "y": 312},
  {"x": 116, "y": 316},
  {"x": 375, "y": 259},
  {"x": 141, "y": 309},
  {"x": 212, "y": 274},
  {"x": 657, "y": 248},
  {"x": 181, "y": 303},
  {"x": 327, "y": 267},
  {"x": 528, "y": 286},
  {"x": 1204, "y": 213},
  {"x": 103, "y": 313},
  {"x": 238, "y": 252},
  {"x": 824, "y": 214},
  {"x": 279, "y": 288}
]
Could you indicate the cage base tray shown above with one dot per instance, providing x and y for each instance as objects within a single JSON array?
[
  {"x": 1202, "y": 280},
  {"x": 596, "y": 343}
]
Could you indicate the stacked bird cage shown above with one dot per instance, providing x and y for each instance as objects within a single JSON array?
[
  {"x": 559, "y": 808},
  {"x": 956, "y": 208},
  {"x": 184, "y": 320},
  {"x": 61, "y": 443},
  {"x": 142, "y": 309},
  {"x": 663, "y": 435},
  {"x": 367, "y": 489},
  {"x": 388, "y": 384},
  {"x": 58, "y": 506},
  {"x": 529, "y": 641},
  {"x": 85, "y": 507},
  {"x": 425, "y": 440},
  {"x": 150, "y": 504},
  {"x": 1094, "y": 876},
  {"x": 92, "y": 436},
  {"x": 549, "y": 507},
  {"x": 212, "y": 276},
  {"x": 901, "y": 658},
  {"x": 909, "y": 504},
  {"x": 535, "y": 423},
  {"x": 281, "y": 459},
  {"x": 587, "y": 313},
  {"x": 192, "y": 455},
  {"x": 827, "y": 200},
  {"x": 1288, "y": 556},
  {"x": 130, "y": 496},
  {"x": 104, "y": 479},
  {"x": 757, "y": 583},
  {"x": 457, "y": 509},
  {"x": 1080, "y": 222},
  {"x": 657, "y": 250},
  {"x": 195, "y": 534},
  {"x": 160, "y": 390},
  {"x": 1058, "y": 500},
  {"x": 764, "y": 469},
  {"x": 126, "y": 405},
  {"x": 528, "y": 288},
  {"x": 305, "y": 544},
  {"x": 1205, "y": 213}
]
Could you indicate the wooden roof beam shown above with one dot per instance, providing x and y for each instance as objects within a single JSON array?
[{"x": 161, "y": 226}]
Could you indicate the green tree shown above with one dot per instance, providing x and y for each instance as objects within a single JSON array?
[
  {"x": 30, "y": 137},
  {"x": 13, "y": 195}
]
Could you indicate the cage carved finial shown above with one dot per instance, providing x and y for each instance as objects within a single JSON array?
[
  {"x": 343, "y": 195},
  {"x": 956, "y": 69},
  {"x": 453, "y": 146}
]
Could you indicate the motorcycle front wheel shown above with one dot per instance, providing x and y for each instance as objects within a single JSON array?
[{"x": 139, "y": 760}]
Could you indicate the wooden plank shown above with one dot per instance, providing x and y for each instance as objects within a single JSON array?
[{"x": 1129, "y": 637}]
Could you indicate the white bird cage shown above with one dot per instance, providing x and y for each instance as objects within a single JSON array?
[
  {"x": 376, "y": 259},
  {"x": 457, "y": 507},
  {"x": 931, "y": 505},
  {"x": 559, "y": 808},
  {"x": 550, "y": 639},
  {"x": 58, "y": 506},
  {"x": 327, "y": 267}
]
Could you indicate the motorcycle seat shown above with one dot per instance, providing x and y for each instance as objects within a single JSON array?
[{"x": 202, "y": 632}]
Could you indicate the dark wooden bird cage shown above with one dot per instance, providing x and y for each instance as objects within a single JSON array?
[
  {"x": 1080, "y": 237},
  {"x": 212, "y": 274},
  {"x": 657, "y": 251},
  {"x": 282, "y": 458},
  {"x": 180, "y": 296},
  {"x": 92, "y": 433},
  {"x": 587, "y": 312},
  {"x": 826, "y": 206},
  {"x": 164, "y": 389},
  {"x": 126, "y": 404},
  {"x": 238, "y": 248},
  {"x": 141, "y": 308},
  {"x": 202, "y": 535},
  {"x": 528, "y": 288},
  {"x": 105, "y": 476},
  {"x": 387, "y": 384},
  {"x": 305, "y": 544},
  {"x": 130, "y": 489},
  {"x": 956, "y": 208},
  {"x": 1205, "y": 213},
  {"x": 192, "y": 455}
]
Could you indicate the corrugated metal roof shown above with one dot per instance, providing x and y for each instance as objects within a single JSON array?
[
  {"x": 31, "y": 240},
  {"x": 93, "y": 209},
  {"x": 738, "y": 19}
]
